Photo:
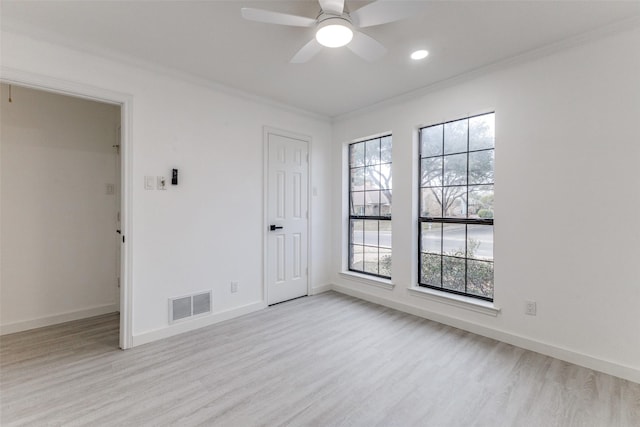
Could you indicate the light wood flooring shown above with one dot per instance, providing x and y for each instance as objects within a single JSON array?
[{"x": 326, "y": 360}]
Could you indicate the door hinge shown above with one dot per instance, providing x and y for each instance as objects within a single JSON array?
[
  {"x": 307, "y": 158},
  {"x": 306, "y": 271},
  {"x": 307, "y": 214}
]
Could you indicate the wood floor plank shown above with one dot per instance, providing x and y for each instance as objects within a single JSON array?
[{"x": 326, "y": 360}]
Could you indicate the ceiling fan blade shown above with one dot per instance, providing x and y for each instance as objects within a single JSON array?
[
  {"x": 276, "y": 17},
  {"x": 307, "y": 52},
  {"x": 384, "y": 11},
  {"x": 332, "y": 6},
  {"x": 366, "y": 47}
]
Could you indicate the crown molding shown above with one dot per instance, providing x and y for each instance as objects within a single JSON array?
[
  {"x": 43, "y": 36},
  {"x": 529, "y": 56}
]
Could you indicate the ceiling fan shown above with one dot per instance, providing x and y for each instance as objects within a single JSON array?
[{"x": 336, "y": 27}]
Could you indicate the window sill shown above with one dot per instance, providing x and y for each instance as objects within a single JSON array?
[
  {"x": 467, "y": 303},
  {"x": 369, "y": 280}
]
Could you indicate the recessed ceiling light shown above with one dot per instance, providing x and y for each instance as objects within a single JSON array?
[{"x": 419, "y": 54}]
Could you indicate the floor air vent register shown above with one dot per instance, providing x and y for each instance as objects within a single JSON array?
[{"x": 190, "y": 306}]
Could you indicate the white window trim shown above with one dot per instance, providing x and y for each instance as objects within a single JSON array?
[
  {"x": 460, "y": 301},
  {"x": 380, "y": 282}
]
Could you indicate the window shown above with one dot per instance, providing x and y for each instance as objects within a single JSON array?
[
  {"x": 370, "y": 207},
  {"x": 456, "y": 206}
]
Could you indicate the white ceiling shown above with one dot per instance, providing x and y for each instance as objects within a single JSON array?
[{"x": 210, "y": 40}]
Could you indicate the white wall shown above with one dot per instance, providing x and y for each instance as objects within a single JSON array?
[
  {"x": 58, "y": 242},
  {"x": 208, "y": 230},
  {"x": 567, "y": 157}
]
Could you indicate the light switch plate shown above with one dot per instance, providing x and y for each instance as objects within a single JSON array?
[
  {"x": 149, "y": 183},
  {"x": 162, "y": 183}
]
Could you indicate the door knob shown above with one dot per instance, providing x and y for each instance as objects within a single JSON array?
[{"x": 273, "y": 227}]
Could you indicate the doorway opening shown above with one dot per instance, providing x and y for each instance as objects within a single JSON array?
[{"x": 63, "y": 188}]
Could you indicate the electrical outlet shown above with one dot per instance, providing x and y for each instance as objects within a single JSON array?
[
  {"x": 234, "y": 287},
  {"x": 530, "y": 308}
]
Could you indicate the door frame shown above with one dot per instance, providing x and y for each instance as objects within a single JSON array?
[
  {"x": 125, "y": 101},
  {"x": 268, "y": 130}
]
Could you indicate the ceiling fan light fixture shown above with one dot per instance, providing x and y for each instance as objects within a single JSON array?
[{"x": 334, "y": 32}]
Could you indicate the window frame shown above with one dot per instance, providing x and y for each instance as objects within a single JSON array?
[
  {"x": 443, "y": 220},
  {"x": 364, "y": 216}
]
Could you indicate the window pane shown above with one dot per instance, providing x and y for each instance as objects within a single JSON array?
[
  {"x": 371, "y": 232},
  {"x": 455, "y": 169},
  {"x": 454, "y": 201},
  {"x": 480, "y": 278},
  {"x": 384, "y": 236},
  {"x": 385, "y": 202},
  {"x": 481, "y": 201},
  {"x": 371, "y": 260},
  {"x": 385, "y": 176},
  {"x": 453, "y": 273},
  {"x": 482, "y": 132},
  {"x": 431, "y": 205},
  {"x": 385, "y": 149},
  {"x": 481, "y": 167},
  {"x": 357, "y": 231},
  {"x": 480, "y": 242},
  {"x": 432, "y": 237},
  {"x": 357, "y": 203},
  {"x": 357, "y": 256},
  {"x": 372, "y": 199},
  {"x": 454, "y": 239},
  {"x": 372, "y": 177},
  {"x": 431, "y": 141},
  {"x": 372, "y": 152},
  {"x": 431, "y": 170},
  {"x": 385, "y": 262},
  {"x": 455, "y": 136},
  {"x": 431, "y": 270},
  {"x": 357, "y": 154},
  {"x": 357, "y": 179}
]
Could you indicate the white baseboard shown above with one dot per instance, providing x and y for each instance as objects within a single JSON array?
[
  {"x": 40, "y": 322},
  {"x": 197, "y": 323},
  {"x": 606, "y": 366},
  {"x": 320, "y": 289}
]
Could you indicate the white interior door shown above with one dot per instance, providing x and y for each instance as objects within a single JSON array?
[{"x": 287, "y": 216}]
